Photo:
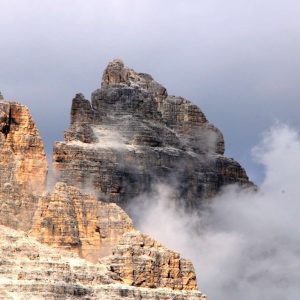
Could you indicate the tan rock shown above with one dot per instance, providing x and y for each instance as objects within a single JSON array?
[
  {"x": 72, "y": 220},
  {"x": 23, "y": 165},
  {"x": 139, "y": 260},
  {"x": 30, "y": 270}
]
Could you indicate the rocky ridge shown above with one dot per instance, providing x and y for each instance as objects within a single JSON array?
[
  {"x": 133, "y": 135},
  {"x": 76, "y": 224},
  {"x": 70, "y": 220},
  {"x": 141, "y": 261},
  {"x": 129, "y": 137},
  {"x": 23, "y": 165},
  {"x": 30, "y": 270}
]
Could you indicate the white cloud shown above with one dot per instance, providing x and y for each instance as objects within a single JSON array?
[{"x": 246, "y": 245}]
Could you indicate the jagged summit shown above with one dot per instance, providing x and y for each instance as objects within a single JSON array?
[
  {"x": 129, "y": 137},
  {"x": 31, "y": 270},
  {"x": 133, "y": 134},
  {"x": 116, "y": 73},
  {"x": 132, "y": 265}
]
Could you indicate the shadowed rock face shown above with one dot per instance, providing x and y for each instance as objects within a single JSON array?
[
  {"x": 23, "y": 165},
  {"x": 68, "y": 219},
  {"x": 133, "y": 135}
]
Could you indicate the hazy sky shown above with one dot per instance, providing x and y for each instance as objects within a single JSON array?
[{"x": 239, "y": 60}]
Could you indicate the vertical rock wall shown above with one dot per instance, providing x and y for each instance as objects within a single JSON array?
[
  {"x": 133, "y": 135},
  {"x": 23, "y": 165},
  {"x": 76, "y": 221}
]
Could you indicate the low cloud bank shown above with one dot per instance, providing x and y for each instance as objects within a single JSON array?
[{"x": 245, "y": 245}]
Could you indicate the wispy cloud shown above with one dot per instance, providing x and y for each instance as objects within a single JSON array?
[{"x": 245, "y": 245}]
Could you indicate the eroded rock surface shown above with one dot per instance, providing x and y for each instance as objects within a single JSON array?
[
  {"x": 141, "y": 261},
  {"x": 23, "y": 165},
  {"x": 72, "y": 223},
  {"x": 30, "y": 270},
  {"x": 69, "y": 219},
  {"x": 133, "y": 135}
]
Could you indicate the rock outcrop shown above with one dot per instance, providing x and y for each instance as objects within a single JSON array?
[
  {"x": 133, "y": 135},
  {"x": 23, "y": 165},
  {"x": 76, "y": 221},
  {"x": 139, "y": 260},
  {"x": 71, "y": 220},
  {"x": 30, "y": 270},
  {"x": 76, "y": 224}
]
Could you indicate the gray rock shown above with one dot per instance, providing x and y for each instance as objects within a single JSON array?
[{"x": 133, "y": 135}]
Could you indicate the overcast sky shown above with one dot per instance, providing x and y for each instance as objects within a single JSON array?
[{"x": 239, "y": 60}]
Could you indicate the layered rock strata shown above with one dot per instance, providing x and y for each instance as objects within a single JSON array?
[
  {"x": 23, "y": 165},
  {"x": 30, "y": 270},
  {"x": 139, "y": 260},
  {"x": 133, "y": 135},
  {"x": 72, "y": 221},
  {"x": 69, "y": 219}
]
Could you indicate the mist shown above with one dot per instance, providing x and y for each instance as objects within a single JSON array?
[{"x": 245, "y": 244}]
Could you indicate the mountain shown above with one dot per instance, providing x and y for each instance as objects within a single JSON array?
[
  {"x": 23, "y": 165},
  {"x": 133, "y": 135},
  {"x": 77, "y": 240}
]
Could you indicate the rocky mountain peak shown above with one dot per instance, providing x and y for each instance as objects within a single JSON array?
[
  {"x": 116, "y": 73},
  {"x": 78, "y": 226},
  {"x": 120, "y": 144},
  {"x": 133, "y": 134}
]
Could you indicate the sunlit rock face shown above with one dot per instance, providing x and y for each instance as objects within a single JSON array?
[
  {"x": 75, "y": 221},
  {"x": 70, "y": 220},
  {"x": 77, "y": 226},
  {"x": 141, "y": 261},
  {"x": 30, "y": 270},
  {"x": 23, "y": 165},
  {"x": 133, "y": 135}
]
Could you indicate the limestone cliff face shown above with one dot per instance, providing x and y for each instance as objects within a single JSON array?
[
  {"x": 76, "y": 221},
  {"x": 141, "y": 261},
  {"x": 71, "y": 220},
  {"x": 30, "y": 270},
  {"x": 23, "y": 165},
  {"x": 133, "y": 135}
]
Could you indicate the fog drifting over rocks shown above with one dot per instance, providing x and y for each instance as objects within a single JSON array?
[{"x": 246, "y": 244}]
